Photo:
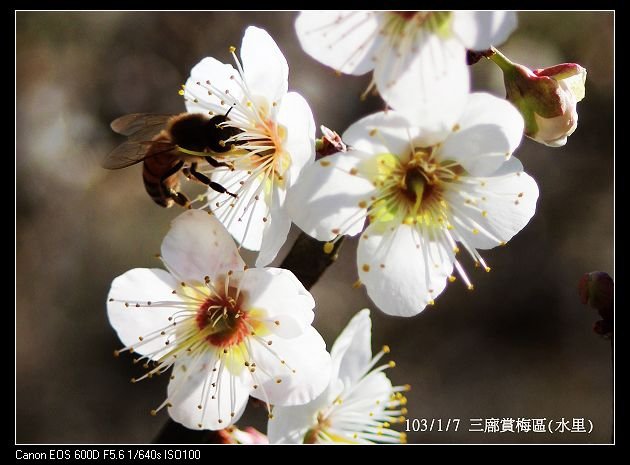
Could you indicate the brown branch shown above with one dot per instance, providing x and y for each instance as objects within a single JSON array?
[{"x": 307, "y": 259}]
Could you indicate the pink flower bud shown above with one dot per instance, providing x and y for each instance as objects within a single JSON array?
[
  {"x": 597, "y": 290},
  {"x": 547, "y": 98},
  {"x": 234, "y": 435}
]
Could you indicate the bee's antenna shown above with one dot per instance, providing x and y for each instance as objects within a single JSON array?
[{"x": 228, "y": 112}]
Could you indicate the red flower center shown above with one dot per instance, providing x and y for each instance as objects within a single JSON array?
[{"x": 222, "y": 317}]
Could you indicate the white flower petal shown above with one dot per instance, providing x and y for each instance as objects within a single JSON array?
[
  {"x": 283, "y": 298},
  {"x": 503, "y": 204},
  {"x": 382, "y": 132},
  {"x": 352, "y": 351},
  {"x": 266, "y": 69},
  {"x": 575, "y": 84},
  {"x": 197, "y": 245},
  {"x": 375, "y": 388},
  {"x": 487, "y": 133},
  {"x": 478, "y": 30},
  {"x": 186, "y": 392},
  {"x": 289, "y": 425},
  {"x": 554, "y": 131},
  {"x": 296, "y": 116},
  {"x": 343, "y": 40},
  {"x": 276, "y": 229},
  {"x": 328, "y": 197},
  {"x": 430, "y": 86},
  {"x": 403, "y": 270},
  {"x": 244, "y": 220},
  {"x": 210, "y": 96},
  {"x": 306, "y": 354},
  {"x": 141, "y": 285},
  {"x": 554, "y": 143}
]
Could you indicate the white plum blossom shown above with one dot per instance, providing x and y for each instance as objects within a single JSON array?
[
  {"x": 412, "y": 53},
  {"x": 228, "y": 331},
  {"x": 423, "y": 192},
  {"x": 358, "y": 407},
  {"x": 275, "y": 139}
]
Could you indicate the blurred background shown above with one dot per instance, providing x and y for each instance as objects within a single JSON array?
[{"x": 520, "y": 345}]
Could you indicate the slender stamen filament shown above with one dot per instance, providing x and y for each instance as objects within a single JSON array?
[{"x": 356, "y": 417}]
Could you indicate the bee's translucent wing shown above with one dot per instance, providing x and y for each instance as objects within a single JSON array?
[
  {"x": 132, "y": 152},
  {"x": 140, "y": 129},
  {"x": 131, "y": 125}
]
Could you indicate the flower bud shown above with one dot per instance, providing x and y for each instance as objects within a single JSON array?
[
  {"x": 235, "y": 435},
  {"x": 597, "y": 290},
  {"x": 547, "y": 98},
  {"x": 329, "y": 144}
]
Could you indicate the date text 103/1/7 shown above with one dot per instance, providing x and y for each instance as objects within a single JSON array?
[{"x": 424, "y": 425}]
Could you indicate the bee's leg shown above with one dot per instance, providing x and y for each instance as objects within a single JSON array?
[
  {"x": 206, "y": 180},
  {"x": 216, "y": 163},
  {"x": 178, "y": 197}
]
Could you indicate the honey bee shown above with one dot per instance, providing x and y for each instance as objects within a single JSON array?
[{"x": 167, "y": 144}]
